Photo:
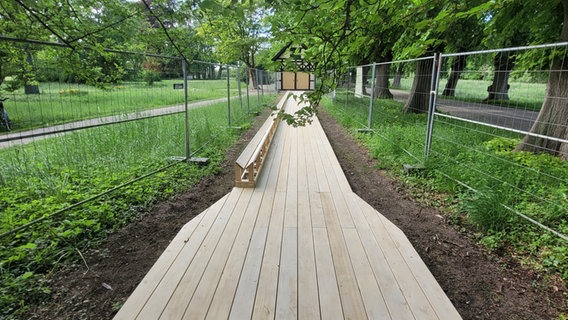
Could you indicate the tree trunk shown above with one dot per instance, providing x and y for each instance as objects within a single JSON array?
[
  {"x": 552, "y": 119},
  {"x": 367, "y": 74},
  {"x": 382, "y": 82},
  {"x": 1, "y": 72},
  {"x": 499, "y": 89},
  {"x": 30, "y": 88},
  {"x": 457, "y": 67},
  {"x": 220, "y": 73},
  {"x": 397, "y": 77},
  {"x": 252, "y": 78},
  {"x": 419, "y": 98}
]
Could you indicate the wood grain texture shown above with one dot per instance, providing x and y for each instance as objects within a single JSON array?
[{"x": 299, "y": 245}]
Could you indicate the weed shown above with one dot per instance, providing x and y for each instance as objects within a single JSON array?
[
  {"x": 116, "y": 306},
  {"x": 486, "y": 211}
]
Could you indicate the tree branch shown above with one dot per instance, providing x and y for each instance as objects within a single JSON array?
[
  {"x": 103, "y": 28},
  {"x": 43, "y": 23},
  {"x": 165, "y": 30}
]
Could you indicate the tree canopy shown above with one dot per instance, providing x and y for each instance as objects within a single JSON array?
[{"x": 336, "y": 34}]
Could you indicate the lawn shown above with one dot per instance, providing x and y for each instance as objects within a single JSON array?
[{"x": 60, "y": 103}]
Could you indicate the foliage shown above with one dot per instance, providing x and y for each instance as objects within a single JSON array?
[
  {"x": 40, "y": 179},
  {"x": 440, "y": 26},
  {"x": 88, "y": 29},
  {"x": 237, "y": 31},
  {"x": 485, "y": 210},
  {"x": 520, "y": 22},
  {"x": 334, "y": 33},
  {"x": 151, "y": 76},
  {"x": 77, "y": 25}
]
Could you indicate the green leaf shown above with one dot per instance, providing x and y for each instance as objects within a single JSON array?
[{"x": 28, "y": 246}]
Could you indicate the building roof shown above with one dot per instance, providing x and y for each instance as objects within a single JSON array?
[{"x": 295, "y": 54}]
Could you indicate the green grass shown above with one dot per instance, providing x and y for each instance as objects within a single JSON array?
[
  {"x": 45, "y": 176},
  {"x": 522, "y": 95},
  {"x": 60, "y": 103},
  {"x": 483, "y": 159}
]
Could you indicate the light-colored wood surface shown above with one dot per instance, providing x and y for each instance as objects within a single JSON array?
[{"x": 299, "y": 245}]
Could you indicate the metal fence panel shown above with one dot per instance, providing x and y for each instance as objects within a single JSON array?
[
  {"x": 480, "y": 109},
  {"x": 373, "y": 95},
  {"x": 489, "y": 103}
]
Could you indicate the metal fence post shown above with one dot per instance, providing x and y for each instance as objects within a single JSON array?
[
  {"x": 275, "y": 81},
  {"x": 336, "y": 83},
  {"x": 187, "y": 149},
  {"x": 257, "y": 87},
  {"x": 262, "y": 83},
  {"x": 239, "y": 84},
  {"x": 248, "y": 96},
  {"x": 436, "y": 69},
  {"x": 347, "y": 93},
  {"x": 228, "y": 96},
  {"x": 373, "y": 75}
]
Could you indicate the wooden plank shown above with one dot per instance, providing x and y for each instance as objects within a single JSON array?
[
  {"x": 302, "y": 183},
  {"x": 342, "y": 210},
  {"x": 195, "y": 255},
  {"x": 329, "y": 161},
  {"x": 320, "y": 156},
  {"x": 435, "y": 294},
  {"x": 392, "y": 294},
  {"x": 146, "y": 287},
  {"x": 308, "y": 299},
  {"x": 326, "y": 148},
  {"x": 284, "y": 161},
  {"x": 330, "y": 301},
  {"x": 246, "y": 154},
  {"x": 370, "y": 291},
  {"x": 417, "y": 301},
  {"x": 316, "y": 210},
  {"x": 261, "y": 141},
  {"x": 291, "y": 211},
  {"x": 166, "y": 287},
  {"x": 323, "y": 185},
  {"x": 246, "y": 290},
  {"x": 265, "y": 209},
  {"x": 271, "y": 178},
  {"x": 287, "y": 297},
  {"x": 282, "y": 103},
  {"x": 350, "y": 295},
  {"x": 228, "y": 276},
  {"x": 307, "y": 155},
  {"x": 265, "y": 302},
  {"x": 181, "y": 306},
  {"x": 266, "y": 178}
]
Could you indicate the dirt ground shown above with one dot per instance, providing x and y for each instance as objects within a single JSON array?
[{"x": 481, "y": 285}]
